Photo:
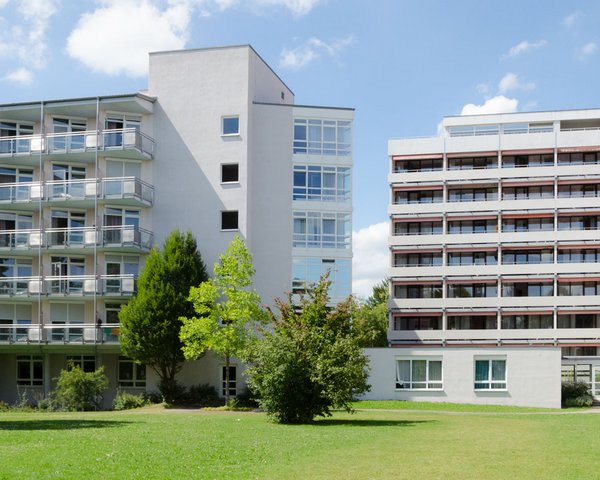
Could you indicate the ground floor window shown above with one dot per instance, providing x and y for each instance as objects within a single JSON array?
[
  {"x": 419, "y": 373},
  {"x": 86, "y": 362},
  {"x": 30, "y": 370},
  {"x": 490, "y": 374},
  {"x": 232, "y": 381},
  {"x": 131, "y": 374}
]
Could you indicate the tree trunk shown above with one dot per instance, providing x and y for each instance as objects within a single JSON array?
[{"x": 227, "y": 361}]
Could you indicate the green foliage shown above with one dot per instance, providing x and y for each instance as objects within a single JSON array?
[
  {"x": 227, "y": 309},
  {"x": 150, "y": 321},
  {"x": 370, "y": 319},
  {"x": 128, "y": 401},
  {"x": 311, "y": 362},
  {"x": 203, "y": 394},
  {"x": 77, "y": 390},
  {"x": 576, "y": 394}
]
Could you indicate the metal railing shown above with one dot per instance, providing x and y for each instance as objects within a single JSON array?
[
  {"x": 71, "y": 237},
  {"x": 81, "y": 285},
  {"x": 125, "y": 235},
  {"x": 71, "y": 189},
  {"x": 19, "y": 286},
  {"x": 23, "y": 239},
  {"x": 77, "y": 142},
  {"x": 20, "y": 192},
  {"x": 59, "y": 333},
  {"x": 127, "y": 187}
]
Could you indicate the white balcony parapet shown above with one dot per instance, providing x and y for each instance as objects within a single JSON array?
[
  {"x": 65, "y": 333},
  {"x": 78, "y": 142}
]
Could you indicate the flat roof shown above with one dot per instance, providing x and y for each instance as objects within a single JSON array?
[
  {"x": 351, "y": 109},
  {"x": 80, "y": 99}
]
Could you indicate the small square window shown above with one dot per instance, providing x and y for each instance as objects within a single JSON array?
[
  {"x": 229, "y": 220},
  {"x": 230, "y": 173},
  {"x": 231, "y": 125}
]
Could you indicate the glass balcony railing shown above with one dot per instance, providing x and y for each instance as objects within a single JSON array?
[
  {"x": 71, "y": 237},
  {"x": 19, "y": 286},
  {"x": 78, "y": 142},
  {"x": 127, "y": 187},
  {"x": 81, "y": 285},
  {"x": 58, "y": 332},
  {"x": 71, "y": 189},
  {"x": 20, "y": 192},
  {"x": 20, "y": 239}
]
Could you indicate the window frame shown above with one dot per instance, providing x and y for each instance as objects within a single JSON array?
[
  {"x": 428, "y": 383},
  {"x": 230, "y": 134},
  {"x": 237, "y": 227},
  {"x": 232, "y": 381},
  {"x": 228, "y": 182},
  {"x": 490, "y": 380},
  {"x": 136, "y": 381},
  {"x": 31, "y": 380}
]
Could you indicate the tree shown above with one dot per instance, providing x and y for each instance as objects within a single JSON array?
[
  {"x": 311, "y": 361},
  {"x": 227, "y": 309},
  {"x": 150, "y": 322},
  {"x": 371, "y": 317}
]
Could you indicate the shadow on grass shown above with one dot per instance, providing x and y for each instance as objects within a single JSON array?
[
  {"x": 369, "y": 423},
  {"x": 30, "y": 425}
]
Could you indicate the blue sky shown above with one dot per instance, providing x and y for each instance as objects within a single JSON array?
[{"x": 402, "y": 65}]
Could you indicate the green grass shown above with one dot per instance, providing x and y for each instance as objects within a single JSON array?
[
  {"x": 157, "y": 444},
  {"x": 448, "y": 407}
]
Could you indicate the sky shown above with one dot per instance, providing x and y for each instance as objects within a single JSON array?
[{"x": 403, "y": 65}]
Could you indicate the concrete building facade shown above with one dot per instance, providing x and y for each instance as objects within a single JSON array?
[
  {"x": 495, "y": 259},
  {"x": 88, "y": 185}
]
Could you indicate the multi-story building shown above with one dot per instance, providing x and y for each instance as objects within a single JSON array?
[
  {"x": 495, "y": 254},
  {"x": 88, "y": 185}
]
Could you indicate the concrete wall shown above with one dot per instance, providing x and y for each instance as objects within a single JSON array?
[{"x": 533, "y": 375}]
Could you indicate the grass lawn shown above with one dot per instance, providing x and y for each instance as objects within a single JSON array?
[{"x": 157, "y": 444}]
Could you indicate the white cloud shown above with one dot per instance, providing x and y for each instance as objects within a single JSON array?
[
  {"x": 108, "y": 41},
  {"x": 570, "y": 20},
  {"x": 26, "y": 41},
  {"x": 523, "y": 47},
  {"x": 371, "y": 257},
  {"x": 586, "y": 50},
  {"x": 497, "y": 104},
  {"x": 511, "y": 82},
  {"x": 311, "y": 50},
  {"x": 297, "y": 7},
  {"x": 20, "y": 76}
]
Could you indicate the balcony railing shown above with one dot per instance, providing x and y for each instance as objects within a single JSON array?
[
  {"x": 127, "y": 187},
  {"x": 111, "y": 188},
  {"x": 71, "y": 237},
  {"x": 59, "y": 333},
  {"x": 127, "y": 235},
  {"x": 78, "y": 142},
  {"x": 20, "y": 192},
  {"x": 81, "y": 285},
  {"x": 20, "y": 239},
  {"x": 19, "y": 286},
  {"x": 71, "y": 189}
]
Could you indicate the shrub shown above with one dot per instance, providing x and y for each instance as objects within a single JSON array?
[
  {"x": 4, "y": 407},
  {"x": 576, "y": 394},
  {"x": 47, "y": 402},
  {"x": 247, "y": 398},
  {"x": 203, "y": 394},
  {"x": 127, "y": 401},
  {"x": 77, "y": 390},
  {"x": 173, "y": 392}
]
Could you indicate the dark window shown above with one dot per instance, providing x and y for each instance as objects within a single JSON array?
[
  {"x": 229, "y": 220},
  {"x": 232, "y": 381},
  {"x": 230, "y": 172}
]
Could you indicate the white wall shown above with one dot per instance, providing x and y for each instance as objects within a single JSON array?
[{"x": 533, "y": 375}]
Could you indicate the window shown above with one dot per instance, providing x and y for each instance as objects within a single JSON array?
[
  {"x": 121, "y": 272},
  {"x": 578, "y": 158},
  {"x": 588, "y": 255},
  {"x": 16, "y": 193},
  {"x": 67, "y": 315},
  {"x": 66, "y": 138},
  {"x": 232, "y": 381},
  {"x": 418, "y": 323},
  {"x": 578, "y": 320},
  {"x": 14, "y": 314},
  {"x": 86, "y": 362},
  {"x": 322, "y": 137},
  {"x": 472, "y": 163},
  {"x": 9, "y": 141},
  {"x": 418, "y": 228},
  {"x": 307, "y": 272},
  {"x": 67, "y": 228},
  {"x": 67, "y": 275},
  {"x": 472, "y": 322},
  {"x": 131, "y": 374},
  {"x": 321, "y": 230},
  {"x": 510, "y": 322},
  {"x": 14, "y": 275},
  {"x": 583, "y": 190},
  {"x": 229, "y": 220},
  {"x": 579, "y": 222},
  {"x": 472, "y": 194},
  {"x": 473, "y": 258},
  {"x": 527, "y": 193},
  {"x": 511, "y": 257},
  {"x": 416, "y": 259},
  {"x": 418, "y": 196},
  {"x": 523, "y": 289},
  {"x": 322, "y": 184},
  {"x": 30, "y": 370},
  {"x": 472, "y": 290},
  {"x": 421, "y": 374},
  {"x": 426, "y": 165},
  {"x": 13, "y": 229},
  {"x": 490, "y": 374},
  {"x": 231, "y": 125},
  {"x": 578, "y": 288},
  {"x": 230, "y": 173},
  {"x": 418, "y": 291},
  {"x": 527, "y": 224},
  {"x": 472, "y": 226},
  {"x": 519, "y": 161}
]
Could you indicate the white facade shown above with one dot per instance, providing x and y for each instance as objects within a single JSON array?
[
  {"x": 495, "y": 240},
  {"x": 87, "y": 186}
]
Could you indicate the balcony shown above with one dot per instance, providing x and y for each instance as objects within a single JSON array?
[
  {"x": 127, "y": 191},
  {"x": 16, "y": 241},
  {"x": 126, "y": 237},
  {"x": 19, "y": 287},
  {"x": 122, "y": 238},
  {"x": 24, "y": 196},
  {"x": 116, "y": 286},
  {"x": 59, "y": 333},
  {"x": 71, "y": 237},
  {"x": 123, "y": 142}
]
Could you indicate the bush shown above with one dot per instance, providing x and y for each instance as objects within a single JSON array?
[
  {"x": 247, "y": 398},
  {"x": 4, "y": 407},
  {"x": 77, "y": 390},
  {"x": 47, "y": 402},
  {"x": 173, "y": 392},
  {"x": 203, "y": 394},
  {"x": 576, "y": 394},
  {"x": 127, "y": 401}
]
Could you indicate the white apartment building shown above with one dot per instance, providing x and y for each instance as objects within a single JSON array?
[
  {"x": 495, "y": 254},
  {"x": 88, "y": 185}
]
